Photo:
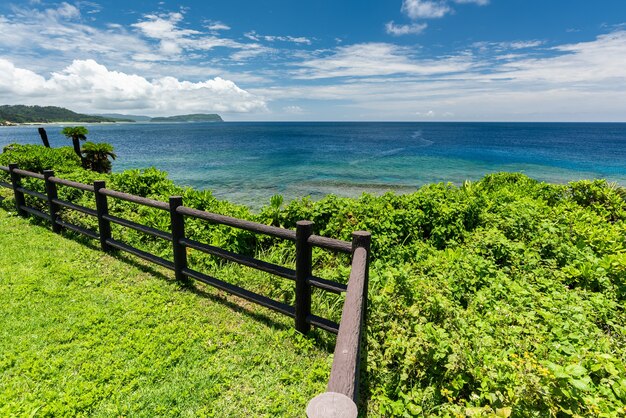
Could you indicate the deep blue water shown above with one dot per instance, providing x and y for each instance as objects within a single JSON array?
[{"x": 248, "y": 162}]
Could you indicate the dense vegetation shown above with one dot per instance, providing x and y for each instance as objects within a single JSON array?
[
  {"x": 502, "y": 297},
  {"x": 47, "y": 114},
  {"x": 197, "y": 117}
]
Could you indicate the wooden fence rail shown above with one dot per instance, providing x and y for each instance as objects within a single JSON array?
[{"x": 342, "y": 393}]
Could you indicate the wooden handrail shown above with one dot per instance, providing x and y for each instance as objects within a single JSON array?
[
  {"x": 239, "y": 223},
  {"x": 25, "y": 173},
  {"x": 135, "y": 199},
  {"x": 342, "y": 393},
  {"x": 341, "y": 397},
  {"x": 74, "y": 184}
]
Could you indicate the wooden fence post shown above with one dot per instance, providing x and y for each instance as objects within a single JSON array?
[
  {"x": 102, "y": 208},
  {"x": 16, "y": 182},
  {"x": 363, "y": 239},
  {"x": 51, "y": 192},
  {"x": 304, "y": 270},
  {"x": 178, "y": 233}
]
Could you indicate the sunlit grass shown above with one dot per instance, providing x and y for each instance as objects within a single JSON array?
[{"x": 83, "y": 333}]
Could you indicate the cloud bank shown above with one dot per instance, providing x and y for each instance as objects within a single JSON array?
[{"x": 91, "y": 87}]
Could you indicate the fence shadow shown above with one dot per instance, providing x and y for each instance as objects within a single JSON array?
[{"x": 209, "y": 294}]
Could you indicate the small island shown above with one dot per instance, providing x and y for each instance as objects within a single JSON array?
[{"x": 197, "y": 117}]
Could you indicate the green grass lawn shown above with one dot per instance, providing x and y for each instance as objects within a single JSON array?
[{"x": 83, "y": 333}]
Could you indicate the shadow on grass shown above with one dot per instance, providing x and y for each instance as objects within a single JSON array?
[{"x": 323, "y": 340}]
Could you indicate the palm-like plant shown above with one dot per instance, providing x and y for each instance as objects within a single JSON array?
[
  {"x": 96, "y": 156},
  {"x": 76, "y": 134}
]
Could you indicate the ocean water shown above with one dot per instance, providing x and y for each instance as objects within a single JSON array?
[{"x": 249, "y": 162}]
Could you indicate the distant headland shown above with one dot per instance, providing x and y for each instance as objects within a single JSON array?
[
  {"x": 197, "y": 117},
  {"x": 18, "y": 114},
  {"x": 22, "y": 114}
]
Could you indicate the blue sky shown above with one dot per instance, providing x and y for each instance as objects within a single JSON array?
[{"x": 407, "y": 60}]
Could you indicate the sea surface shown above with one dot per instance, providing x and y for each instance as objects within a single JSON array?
[{"x": 247, "y": 162}]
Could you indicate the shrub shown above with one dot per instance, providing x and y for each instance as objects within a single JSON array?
[{"x": 502, "y": 297}]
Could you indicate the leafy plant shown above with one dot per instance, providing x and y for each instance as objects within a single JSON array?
[
  {"x": 96, "y": 156},
  {"x": 76, "y": 134}
]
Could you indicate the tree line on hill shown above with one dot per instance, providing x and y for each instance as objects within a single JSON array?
[
  {"x": 14, "y": 114},
  {"x": 48, "y": 114}
]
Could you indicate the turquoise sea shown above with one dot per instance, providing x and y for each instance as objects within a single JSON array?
[{"x": 247, "y": 162}]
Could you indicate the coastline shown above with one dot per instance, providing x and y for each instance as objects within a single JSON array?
[
  {"x": 246, "y": 162},
  {"x": 14, "y": 125}
]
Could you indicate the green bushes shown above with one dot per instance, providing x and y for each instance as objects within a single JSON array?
[
  {"x": 37, "y": 158},
  {"x": 500, "y": 297}
]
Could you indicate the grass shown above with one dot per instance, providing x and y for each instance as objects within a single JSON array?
[{"x": 83, "y": 333}]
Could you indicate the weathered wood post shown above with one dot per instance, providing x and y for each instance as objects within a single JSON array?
[
  {"x": 178, "y": 233},
  {"x": 16, "y": 182},
  {"x": 102, "y": 208},
  {"x": 304, "y": 270},
  {"x": 44, "y": 137},
  {"x": 342, "y": 395},
  {"x": 363, "y": 239},
  {"x": 51, "y": 193}
]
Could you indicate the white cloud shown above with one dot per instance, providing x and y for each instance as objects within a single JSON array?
[
  {"x": 599, "y": 62},
  {"x": 252, "y": 35},
  {"x": 88, "y": 86},
  {"x": 67, "y": 11},
  {"x": 432, "y": 9},
  {"x": 518, "y": 79},
  {"x": 175, "y": 41},
  {"x": 293, "y": 110},
  {"x": 41, "y": 37},
  {"x": 217, "y": 26},
  {"x": 62, "y": 36},
  {"x": 376, "y": 59},
  {"x": 425, "y": 9},
  {"x": 585, "y": 81},
  {"x": 430, "y": 114},
  {"x": 397, "y": 30},
  {"x": 164, "y": 29},
  {"x": 505, "y": 46},
  {"x": 523, "y": 44},
  {"x": 18, "y": 81}
]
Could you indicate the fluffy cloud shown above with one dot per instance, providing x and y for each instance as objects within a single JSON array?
[
  {"x": 86, "y": 85},
  {"x": 174, "y": 40},
  {"x": 42, "y": 35},
  {"x": 425, "y": 9},
  {"x": 215, "y": 26},
  {"x": 59, "y": 31}
]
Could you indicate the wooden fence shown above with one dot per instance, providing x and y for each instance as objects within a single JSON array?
[{"x": 342, "y": 393}]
